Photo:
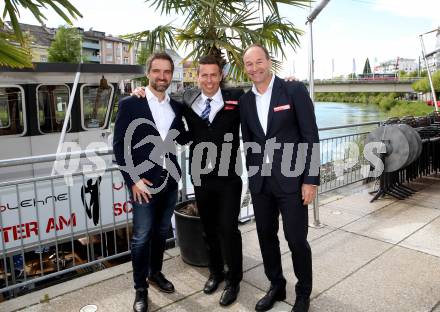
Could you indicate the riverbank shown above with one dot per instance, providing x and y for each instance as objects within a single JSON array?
[{"x": 392, "y": 104}]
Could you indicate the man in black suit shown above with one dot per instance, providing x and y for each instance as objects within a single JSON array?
[
  {"x": 144, "y": 148},
  {"x": 213, "y": 120},
  {"x": 278, "y": 122},
  {"x": 213, "y": 117}
]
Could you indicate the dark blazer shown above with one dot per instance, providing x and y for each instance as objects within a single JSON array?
[
  {"x": 130, "y": 109},
  {"x": 291, "y": 120},
  {"x": 227, "y": 120}
]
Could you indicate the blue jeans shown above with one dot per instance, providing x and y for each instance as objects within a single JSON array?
[{"x": 151, "y": 223}]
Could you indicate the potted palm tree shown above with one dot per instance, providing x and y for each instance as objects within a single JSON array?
[
  {"x": 189, "y": 233},
  {"x": 223, "y": 28}
]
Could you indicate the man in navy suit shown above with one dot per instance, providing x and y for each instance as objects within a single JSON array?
[
  {"x": 144, "y": 148},
  {"x": 278, "y": 122},
  {"x": 213, "y": 117}
]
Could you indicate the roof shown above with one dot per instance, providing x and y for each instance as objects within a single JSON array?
[
  {"x": 116, "y": 39},
  {"x": 41, "y": 35}
]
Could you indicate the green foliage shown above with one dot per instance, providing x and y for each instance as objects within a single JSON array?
[
  {"x": 406, "y": 108},
  {"x": 387, "y": 103},
  {"x": 142, "y": 60},
  {"x": 224, "y": 28},
  {"x": 13, "y": 56},
  {"x": 143, "y": 56},
  {"x": 66, "y": 48},
  {"x": 422, "y": 85}
]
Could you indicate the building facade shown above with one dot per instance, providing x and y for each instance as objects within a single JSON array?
[
  {"x": 177, "y": 82},
  {"x": 116, "y": 51},
  {"x": 433, "y": 57},
  {"x": 91, "y": 45},
  {"x": 396, "y": 65},
  {"x": 189, "y": 74},
  {"x": 40, "y": 38}
]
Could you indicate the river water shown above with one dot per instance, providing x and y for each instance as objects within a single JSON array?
[{"x": 329, "y": 114}]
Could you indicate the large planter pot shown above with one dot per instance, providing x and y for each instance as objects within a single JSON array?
[{"x": 189, "y": 234}]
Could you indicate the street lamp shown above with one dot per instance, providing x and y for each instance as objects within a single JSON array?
[
  {"x": 309, "y": 21},
  {"x": 434, "y": 97}
]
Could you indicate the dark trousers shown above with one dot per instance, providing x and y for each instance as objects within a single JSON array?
[
  {"x": 151, "y": 223},
  {"x": 218, "y": 201},
  {"x": 267, "y": 206}
]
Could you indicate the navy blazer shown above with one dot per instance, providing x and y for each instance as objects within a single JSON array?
[
  {"x": 291, "y": 120},
  {"x": 130, "y": 109}
]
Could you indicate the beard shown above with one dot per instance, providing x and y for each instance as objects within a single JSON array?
[{"x": 160, "y": 88}]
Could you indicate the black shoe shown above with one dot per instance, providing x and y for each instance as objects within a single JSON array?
[
  {"x": 229, "y": 295},
  {"x": 159, "y": 281},
  {"x": 302, "y": 304},
  {"x": 141, "y": 301},
  {"x": 274, "y": 294},
  {"x": 212, "y": 283}
]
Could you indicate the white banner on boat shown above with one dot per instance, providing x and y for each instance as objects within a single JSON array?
[{"x": 46, "y": 211}]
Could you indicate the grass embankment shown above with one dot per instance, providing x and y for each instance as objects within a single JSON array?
[{"x": 390, "y": 103}]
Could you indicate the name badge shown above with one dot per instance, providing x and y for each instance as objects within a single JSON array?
[
  {"x": 281, "y": 108},
  {"x": 231, "y": 102}
]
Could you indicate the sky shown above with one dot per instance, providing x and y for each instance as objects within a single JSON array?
[{"x": 345, "y": 30}]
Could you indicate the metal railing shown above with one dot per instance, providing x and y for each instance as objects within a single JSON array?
[{"x": 50, "y": 230}]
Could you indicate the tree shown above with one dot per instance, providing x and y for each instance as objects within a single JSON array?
[
  {"x": 423, "y": 85},
  {"x": 224, "y": 28},
  {"x": 66, "y": 48},
  {"x": 143, "y": 55},
  {"x": 18, "y": 56},
  {"x": 367, "y": 67}
]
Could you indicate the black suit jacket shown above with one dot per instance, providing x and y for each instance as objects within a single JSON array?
[
  {"x": 291, "y": 120},
  {"x": 130, "y": 109},
  {"x": 227, "y": 120}
]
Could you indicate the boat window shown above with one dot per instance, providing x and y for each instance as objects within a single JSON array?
[
  {"x": 95, "y": 104},
  {"x": 52, "y": 105},
  {"x": 11, "y": 111}
]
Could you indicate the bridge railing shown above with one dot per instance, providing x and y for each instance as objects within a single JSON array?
[
  {"x": 377, "y": 79},
  {"x": 52, "y": 231}
]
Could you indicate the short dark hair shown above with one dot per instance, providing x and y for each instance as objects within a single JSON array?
[
  {"x": 257, "y": 45},
  {"x": 159, "y": 56},
  {"x": 208, "y": 59}
]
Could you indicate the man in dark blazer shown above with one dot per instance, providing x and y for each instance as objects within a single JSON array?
[
  {"x": 278, "y": 120},
  {"x": 213, "y": 118},
  {"x": 144, "y": 148}
]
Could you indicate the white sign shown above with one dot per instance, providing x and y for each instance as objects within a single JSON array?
[{"x": 45, "y": 211}]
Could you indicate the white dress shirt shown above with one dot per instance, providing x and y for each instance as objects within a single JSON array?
[
  {"x": 216, "y": 104},
  {"x": 163, "y": 114},
  {"x": 263, "y": 102}
]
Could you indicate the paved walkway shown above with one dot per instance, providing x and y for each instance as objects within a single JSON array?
[{"x": 383, "y": 256}]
